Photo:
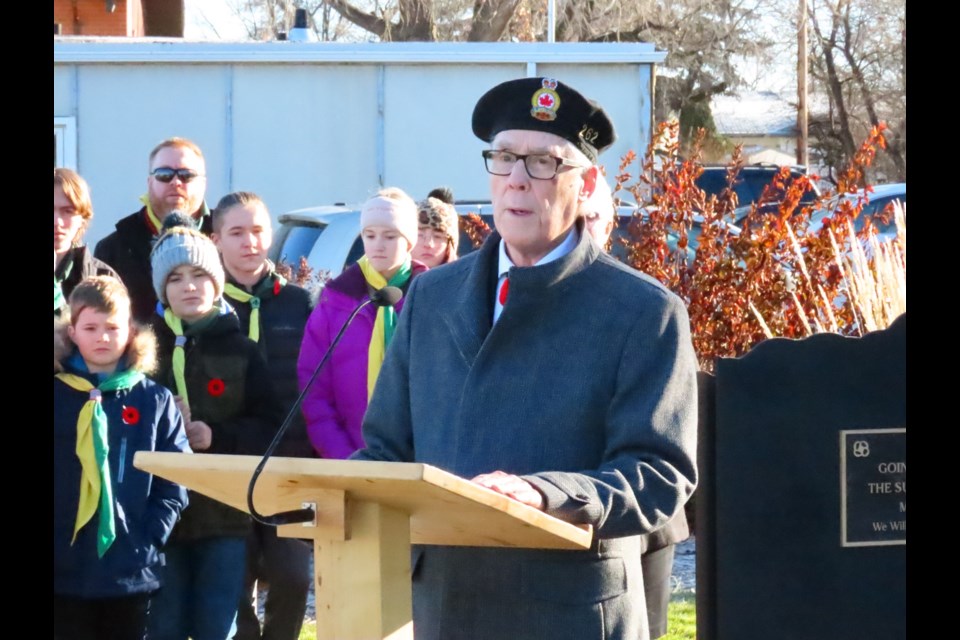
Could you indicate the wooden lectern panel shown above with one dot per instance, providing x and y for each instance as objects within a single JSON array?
[{"x": 444, "y": 509}]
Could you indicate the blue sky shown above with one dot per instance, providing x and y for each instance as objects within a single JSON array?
[{"x": 200, "y": 13}]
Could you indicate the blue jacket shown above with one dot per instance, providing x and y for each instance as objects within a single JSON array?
[{"x": 146, "y": 506}]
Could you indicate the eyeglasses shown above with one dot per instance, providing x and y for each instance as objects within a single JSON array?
[
  {"x": 540, "y": 166},
  {"x": 167, "y": 174}
]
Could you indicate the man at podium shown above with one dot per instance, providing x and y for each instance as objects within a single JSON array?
[{"x": 549, "y": 372}]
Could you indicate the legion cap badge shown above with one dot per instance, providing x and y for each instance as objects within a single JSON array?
[
  {"x": 545, "y": 101},
  {"x": 533, "y": 104}
]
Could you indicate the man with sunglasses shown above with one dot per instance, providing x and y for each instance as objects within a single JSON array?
[
  {"x": 544, "y": 370},
  {"x": 176, "y": 181}
]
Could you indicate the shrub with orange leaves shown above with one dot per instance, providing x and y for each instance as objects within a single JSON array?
[{"x": 774, "y": 277}]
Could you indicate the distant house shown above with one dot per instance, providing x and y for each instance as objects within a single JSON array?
[
  {"x": 130, "y": 18},
  {"x": 762, "y": 121}
]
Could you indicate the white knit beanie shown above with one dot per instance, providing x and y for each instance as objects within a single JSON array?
[
  {"x": 181, "y": 243},
  {"x": 394, "y": 213}
]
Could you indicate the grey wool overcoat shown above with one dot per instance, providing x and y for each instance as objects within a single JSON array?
[{"x": 585, "y": 387}]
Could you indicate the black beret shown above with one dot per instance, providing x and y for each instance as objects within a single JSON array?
[{"x": 544, "y": 104}]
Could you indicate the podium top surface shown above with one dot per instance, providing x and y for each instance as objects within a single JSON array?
[{"x": 444, "y": 509}]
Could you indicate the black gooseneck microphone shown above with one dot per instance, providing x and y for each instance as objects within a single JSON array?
[{"x": 386, "y": 297}]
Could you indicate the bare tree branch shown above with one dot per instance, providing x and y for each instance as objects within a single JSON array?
[
  {"x": 490, "y": 19},
  {"x": 857, "y": 57},
  {"x": 364, "y": 20}
]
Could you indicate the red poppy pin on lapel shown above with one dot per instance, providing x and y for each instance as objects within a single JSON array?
[
  {"x": 216, "y": 387},
  {"x": 130, "y": 415}
]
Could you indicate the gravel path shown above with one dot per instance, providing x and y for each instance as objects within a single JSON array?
[{"x": 684, "y": 576}]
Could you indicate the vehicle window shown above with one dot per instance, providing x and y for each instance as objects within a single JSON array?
[
  {"x": 809, "y": 197},
  {"x": 748, "y": 186},
  {"x": 466, "y": 245},
  {"x": 356, "y": 252},
  {"x": 617, "y": 250},
  {"x": 299, "y": 242},
  {"x": 759, "y": 181},
  {"x": 878, "y": 206},
  {"x": 713, "y": 182}
]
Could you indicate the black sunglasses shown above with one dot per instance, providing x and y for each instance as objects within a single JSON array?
[{"x": 167, "y": 174}]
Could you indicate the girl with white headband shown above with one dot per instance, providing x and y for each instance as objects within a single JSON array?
[{"x": 335, "y": 404}]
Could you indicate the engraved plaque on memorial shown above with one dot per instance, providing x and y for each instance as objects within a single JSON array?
[{"x": 873, "y": 487}]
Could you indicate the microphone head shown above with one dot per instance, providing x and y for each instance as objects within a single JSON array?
[{"x": 386, "y": 297}]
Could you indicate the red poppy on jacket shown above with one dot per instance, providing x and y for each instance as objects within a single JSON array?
[
  {"x": 130, "y": 415},
  {"x": 276, "y": 287},
  {"x": 216, "y": 387}
]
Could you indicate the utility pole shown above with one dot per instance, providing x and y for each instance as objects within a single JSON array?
[
  {"x": 803, "y": 156},
  {"x": 551, "y": 21}
]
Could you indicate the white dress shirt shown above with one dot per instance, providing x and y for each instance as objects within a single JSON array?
[{"x": 505, "y": 263}]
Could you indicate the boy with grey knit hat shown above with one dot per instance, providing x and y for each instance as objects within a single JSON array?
[
  {"x": 225, "y": 393},
  {"x": 181, "y": 244}
]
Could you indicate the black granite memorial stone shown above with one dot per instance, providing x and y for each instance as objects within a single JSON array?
[{"x": 801, "y": 510}]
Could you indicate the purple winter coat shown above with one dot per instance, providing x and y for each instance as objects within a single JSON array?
[{"x": 335, "y": 405}]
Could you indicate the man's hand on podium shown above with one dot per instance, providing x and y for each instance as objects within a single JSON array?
[{"x": 512, "y": 487}]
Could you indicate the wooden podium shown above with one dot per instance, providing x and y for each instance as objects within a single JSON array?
[{"x": 368, "y": 515}]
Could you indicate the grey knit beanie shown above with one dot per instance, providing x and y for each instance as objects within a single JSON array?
[{"x": 181, "y": 243}]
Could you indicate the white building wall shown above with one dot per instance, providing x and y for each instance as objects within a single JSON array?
[
  {"x": 123, "y": 111},
  {"x": 303, "y": 134},
  {"x": 428, "y": 140},
  {"x": 300, "y": 124}
]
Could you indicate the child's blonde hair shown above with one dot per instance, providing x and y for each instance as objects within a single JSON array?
[
  {"x": 105, "y": 294},
  {"x": 108, "y": 295}
]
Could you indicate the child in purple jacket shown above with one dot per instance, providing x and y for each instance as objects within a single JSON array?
[{"x": 335, "y": 404}]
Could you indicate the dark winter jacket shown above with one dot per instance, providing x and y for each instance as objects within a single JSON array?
[
  {"x": 146, "y": 506},
  {"x": 284, "y": 310},
  {"x": 76, "y": 266},
  {"x": 229, "y": 388},
  {"x": 127, "y": 250}
]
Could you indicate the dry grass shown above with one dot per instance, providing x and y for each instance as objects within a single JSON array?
[{"x": 874, "y": 274}]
